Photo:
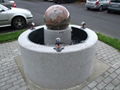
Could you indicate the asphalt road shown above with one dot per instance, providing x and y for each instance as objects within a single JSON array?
[{"x": 97, "y": 21}]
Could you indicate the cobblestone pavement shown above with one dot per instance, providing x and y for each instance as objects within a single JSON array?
[{"x": 11, "y": 78}]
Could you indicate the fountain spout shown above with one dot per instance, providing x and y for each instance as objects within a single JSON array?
[{"x": 58, "y": 46}]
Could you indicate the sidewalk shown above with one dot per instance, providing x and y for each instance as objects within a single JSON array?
[{"x": 11, "y": 78}]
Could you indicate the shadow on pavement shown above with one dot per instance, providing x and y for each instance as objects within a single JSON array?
[
  {"x": 10, "y": 29},
  {"x": 6, "y": 29}
]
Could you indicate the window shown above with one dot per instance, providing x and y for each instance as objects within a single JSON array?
[
  {"x": 3, "y": 7},
  {"x": 0, "y": 9},
  {"x": 92, "y": 0},
  {"x": 115, "y": 1}
]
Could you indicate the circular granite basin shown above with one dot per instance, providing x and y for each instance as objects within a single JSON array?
[{"x": 50, "y": 69}]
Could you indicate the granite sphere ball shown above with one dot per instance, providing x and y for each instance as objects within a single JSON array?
[{"x": 57, "y": 17}]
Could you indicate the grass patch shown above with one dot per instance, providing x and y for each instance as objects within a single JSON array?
[
  {"x": 11, "y": 36},
  {"x": 114, "y": 42}
]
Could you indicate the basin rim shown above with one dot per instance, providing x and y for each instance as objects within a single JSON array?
[{"x": 24, "y": 42}]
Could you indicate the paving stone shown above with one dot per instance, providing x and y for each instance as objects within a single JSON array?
[
  {"x": 2, "y": 84},
  {"x": 18, "y": 77},
  {"x": 110, "y": 86},
  {"x": 105, "y": 74},
  {"x": 86, "y": 88},
  {"x": 116, "y": 81},
  {"x": 117, "y": 87},
  {"x": 95, "y": 88},
  {"x": 4, "y": 72},
  {"x": 23, "y": 88},
  {"x": 111, "y": 70},
  {"x": 101, "y": 85},
  {"x": 1, "y": 76},
  {"x": 6, "y": 87},
  {"x": 15, "y": 75},
  {"x": 18, "y": 82},
  {"x": 14, "y": 88},
  {"x": 113, "y": 75},
  {"x": 9, "y": 74},
  {"x": 112, "y": 62},
  {"x": 118, "y": 76},
  {"x": 118, "y": 71},
  {"x": 92, "y": 84},
  {"x": 116, "y": 66},
  {"x": 11, "y": 80},
  {"x": 99, "y": 79},
  {"x": 107, "y": 80},
  {"x": 4, "y": 79},
  {"x": 22, "y": 84}
]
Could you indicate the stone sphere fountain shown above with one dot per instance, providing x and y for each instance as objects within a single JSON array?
[{"x": 57, "y": 55}]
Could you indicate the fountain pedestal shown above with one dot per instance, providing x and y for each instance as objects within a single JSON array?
[{"x": 52, "y": 69}]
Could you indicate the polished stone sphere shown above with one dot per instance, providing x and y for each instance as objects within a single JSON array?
[{"x": 57, "y": 17}]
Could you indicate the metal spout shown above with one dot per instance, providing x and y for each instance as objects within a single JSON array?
[
  {"x": 32, "y": 25},
  {"x": 58, "y": 46},
  {"x": 83, "y": 24}
]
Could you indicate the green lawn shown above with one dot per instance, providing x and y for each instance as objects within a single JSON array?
[
  {"x": 109, "y": 40},
  {"x": 11, "y": 36}
]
